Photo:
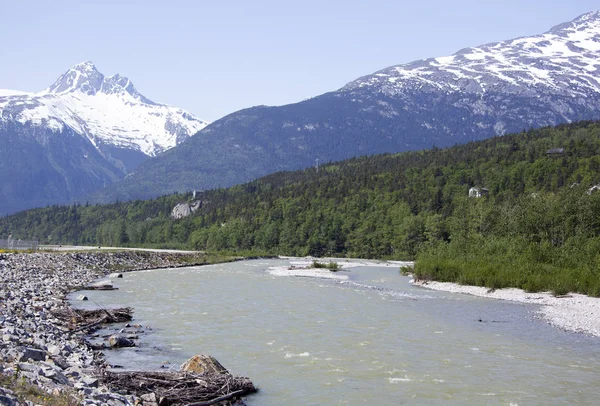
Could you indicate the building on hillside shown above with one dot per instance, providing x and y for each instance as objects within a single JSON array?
[
  {"x": 593, "y": 189},
  {"x": 478, "y": 192},
  {"x": 555, "y": 152}
]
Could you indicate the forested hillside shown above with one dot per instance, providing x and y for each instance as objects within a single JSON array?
[
  {"x": 537, "y": 227},
  {"x": 476, "y": 93}
]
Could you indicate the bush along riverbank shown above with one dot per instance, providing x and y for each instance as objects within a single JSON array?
[
  {"x": 45, "y": 358},
  {"x": 538, "y": 242}
]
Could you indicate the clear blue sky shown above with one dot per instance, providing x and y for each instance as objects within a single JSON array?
[{"x": 215, "y": 57}]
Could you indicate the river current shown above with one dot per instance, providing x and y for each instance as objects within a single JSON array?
[{"x": 372, "y": 339}]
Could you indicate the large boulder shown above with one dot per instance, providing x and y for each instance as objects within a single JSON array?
[
  {"x": 33, "y": 354},
  {"x": 118, "y": 341},
  {"x": 203, "y": 364}
]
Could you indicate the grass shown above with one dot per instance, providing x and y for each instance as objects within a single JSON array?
[
  {"x": 406, "y": 270},
  {"x": 25, "y": 391}
]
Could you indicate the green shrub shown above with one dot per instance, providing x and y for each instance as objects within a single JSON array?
[{"x": 332, "y": 266}]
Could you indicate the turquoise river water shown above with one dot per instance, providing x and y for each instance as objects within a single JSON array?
[{"x": 373, "y": 339}]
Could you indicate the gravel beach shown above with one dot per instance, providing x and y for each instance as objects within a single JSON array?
[
  {"x": 35, "y": 345},
  {"x": 573, "y": 312}
]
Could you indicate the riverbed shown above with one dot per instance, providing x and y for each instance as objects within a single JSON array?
[{"x": 365, "y": 337}]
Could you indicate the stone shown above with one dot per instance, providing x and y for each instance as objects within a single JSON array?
[
  {"x": 53, "y": 349},
  {"x": 60, "y": 362},
  {"x": 66, "y": 349},
  {"x": 180, "y": 211},
  {"x": 8, "y": 400},
  {"x": 203, "y": 364},
  {"x": 85, "y": 390},
  {"x": 110, "y": 398},
  {"x": 82, "y": 297},
  {"x": 118, "y": 341},
  {"x": 33, "y": 354},
  {"x": 90, "y": 381},
  {"x": 73, "y": 372},
  {"x": 30, "y": 376},
  {"x": 56, "y": 376},
  {"x": 149, "y": 399}
]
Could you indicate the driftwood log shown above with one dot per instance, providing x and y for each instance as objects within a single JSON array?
[
  {"x": 79, "y": 320},
  {"x": 100, "y": 286},
  {"x": 180, "y": 388}
]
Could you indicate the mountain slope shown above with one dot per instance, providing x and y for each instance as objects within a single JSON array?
[
  {"x": 538, "y": 228},
  {"x": 83, "y": 132},
  {"x": 372, "y": 207},
  {"x": 476, "y": 93}
]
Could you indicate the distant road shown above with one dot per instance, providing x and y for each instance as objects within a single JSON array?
[{"x": 97, "y": 248}]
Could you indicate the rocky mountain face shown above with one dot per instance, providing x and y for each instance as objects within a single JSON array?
[
  {"x": 476, "y": 93},
  {"x": 82, "y": 133}
]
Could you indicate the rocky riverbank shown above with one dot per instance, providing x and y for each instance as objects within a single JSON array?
[{"x": 36, "y": 346}]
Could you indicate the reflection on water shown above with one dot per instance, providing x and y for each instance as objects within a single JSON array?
[{"x": 373, "y": 339}]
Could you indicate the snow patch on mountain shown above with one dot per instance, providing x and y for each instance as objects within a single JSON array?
[
  {"x": 107, "y": 110},
  {"x": 7, "y": 92},
  {"x": 564, "y": 61}
]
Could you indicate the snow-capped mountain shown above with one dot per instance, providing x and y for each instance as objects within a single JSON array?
[
  {"x": 82, "y": 133},
  {"x": 561, "y": 63},
  {"x": 478, "y": 92},
  {"x": 106, "y": 110},
  {"x": 564, "y": 60}
]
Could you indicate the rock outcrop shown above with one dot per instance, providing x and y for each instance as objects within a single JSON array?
[{"x": 185, "y": 209}]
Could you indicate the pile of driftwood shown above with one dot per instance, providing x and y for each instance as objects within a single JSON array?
[
  {"x": 80, "y": 319},
  {"x": 179, "y": 388}
]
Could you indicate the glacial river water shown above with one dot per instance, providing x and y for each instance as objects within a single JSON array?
[{"x": 374, "y": 339}]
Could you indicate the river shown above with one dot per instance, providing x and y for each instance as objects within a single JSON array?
[{"x": 371, "y": 339}]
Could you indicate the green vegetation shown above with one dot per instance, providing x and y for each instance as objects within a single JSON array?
[
  {"x": 332, "y": 266},
  {"x": 24, "y": 391},
  {"x": 538, "y": 228}
]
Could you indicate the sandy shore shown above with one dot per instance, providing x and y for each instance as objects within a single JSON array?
[{"x": 573, "y": 312}]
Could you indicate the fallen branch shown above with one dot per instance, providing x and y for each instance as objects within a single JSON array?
[
  {"x": 91, "y": 325},
  {"x": 80, "y": 319},
  {"x": 217, "y": 400}
]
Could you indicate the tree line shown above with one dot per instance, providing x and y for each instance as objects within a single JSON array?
[{"x": 398, "y": 206}]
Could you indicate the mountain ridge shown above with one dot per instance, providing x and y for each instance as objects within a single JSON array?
[
  {"x": 105, "y": 109},
  {"x": 81, "y": 133},
  {"x": 479, "y": 92}
]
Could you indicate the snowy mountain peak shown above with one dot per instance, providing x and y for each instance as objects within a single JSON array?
[
  {"x": 83, "y": 77},
  {"x": 585, "y": 21},
  {"x": 117, "y": 84},
  {"x": 107, "y": 110},
  {"x": 562, "y": 61},
  {"x": 85, "y": 67}
]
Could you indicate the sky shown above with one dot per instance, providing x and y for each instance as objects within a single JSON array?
[{"x": 212, "y": 58}]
